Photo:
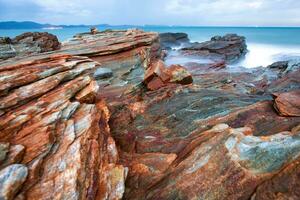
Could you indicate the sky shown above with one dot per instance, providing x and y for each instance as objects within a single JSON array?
[{"x": 155, "y": 12}]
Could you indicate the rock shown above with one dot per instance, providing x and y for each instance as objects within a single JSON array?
[
  {"x": 88, "y": 94},
  {"x": 168, "y": 40},
  {"x": 158, "y": 75},
  {"x": 116, "y": 176},
  {"x": 280, "y": 65},
  {"x": 11, "y": 180},
  {"x": 180, "y": 75},
  {"x": 288, "y": 104},
  {"x": 52, "y": 107},
  {"x": 4, "y": 147},
  {"x": 44, "y": 41},
  {"x": 5, "y": 40},
  {"x": 102, "y": 73},
  {"x": 229, "y": 48},
  {"x": 82, "y": 138},
  {"x": 284, "y": 185},
  {"x": 63, "y": 139},
  {"x": 231, "y": 158},
  {"x": 94, "y": 30},
  {"x": 14, "y": 156},
  {"x": 28, "y": 43}
]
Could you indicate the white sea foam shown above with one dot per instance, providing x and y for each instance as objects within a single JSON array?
[
  {"x": 258, "y": 55},
  {"x": 264, "y": 55}
]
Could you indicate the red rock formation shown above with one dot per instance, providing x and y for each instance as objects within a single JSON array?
[
  {"x": 68, "y": 149},
  {"x": 288, "y": 104},
  {"x": 65, "y": 135},
  {"x": 27, "y": 44},
  {"x": 158, "y": 75}
]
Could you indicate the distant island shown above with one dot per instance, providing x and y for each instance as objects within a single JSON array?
[{"x": 35, "y": 25}]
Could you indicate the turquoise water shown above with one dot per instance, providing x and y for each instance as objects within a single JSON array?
[{"x": 265, "y": 44}]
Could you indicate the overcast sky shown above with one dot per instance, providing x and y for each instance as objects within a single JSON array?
[{"x": 158, "y": 12}]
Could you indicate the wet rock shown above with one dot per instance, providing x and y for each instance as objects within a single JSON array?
[
  {"x": 280, "y": 65},
  {"x": 102, "y": 73},
  {"x": 11, "y": 180},
  {"x": 288, "y": 104},
  {"x": 229, "y": 48},
  {"x": 168, "y": 40}
]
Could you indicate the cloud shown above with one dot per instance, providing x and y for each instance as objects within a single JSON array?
[{"x": 171, "y": 12}]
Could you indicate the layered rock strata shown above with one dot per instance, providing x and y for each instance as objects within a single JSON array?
[
  {"x": 27, "y": 44},
  {"x": 105, "y": 118}
]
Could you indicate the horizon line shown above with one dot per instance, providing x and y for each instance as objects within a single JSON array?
[{"x": 166, "y": 25}]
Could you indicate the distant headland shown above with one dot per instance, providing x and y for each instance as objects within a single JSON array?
[{"x": 35, "y": 25}]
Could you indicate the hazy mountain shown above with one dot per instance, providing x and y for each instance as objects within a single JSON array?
[{"x": 34, "y": 25}]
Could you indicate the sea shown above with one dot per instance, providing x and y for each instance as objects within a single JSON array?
[{"x": 265, "y": 44}]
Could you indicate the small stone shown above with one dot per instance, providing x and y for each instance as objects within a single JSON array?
[
  {"x": 11, "y": 180},
  {"x": 102, "y": 73}
]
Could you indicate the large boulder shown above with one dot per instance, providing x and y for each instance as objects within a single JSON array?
[
  {"x": 229, "y": 48},
  {"x": 288, "y": 104},
  {"x": 168, "y": 40},
  {"x": 158, "y": 75},
  {"x": 28, "y": 43}
]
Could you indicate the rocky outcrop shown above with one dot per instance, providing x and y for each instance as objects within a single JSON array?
[
  {"x": 229, "y": 48},
  {"x": 28, "y": 43},
  {"x": 288, "y": 104},
  {"x": 225, "y": 160},
  {"x": 168, "y": 40},
  {"x": 105, "y": 118},
  {"x": 69, "y": 152},
  {"x": 158, "y": 75}
]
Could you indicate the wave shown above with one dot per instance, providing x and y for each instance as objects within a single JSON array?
[{"x": 265, "y": 54}]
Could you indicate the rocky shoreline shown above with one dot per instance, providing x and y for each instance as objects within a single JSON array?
[{"x": 102, "y": 116}]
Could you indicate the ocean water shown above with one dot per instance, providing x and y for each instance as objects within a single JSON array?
[{"x": 266, "y": 44}]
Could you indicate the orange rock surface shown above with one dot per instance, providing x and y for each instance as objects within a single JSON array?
[{"x": 146, "y": 131}]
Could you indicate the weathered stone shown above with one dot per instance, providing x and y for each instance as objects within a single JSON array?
[
  {"x": 168, "y": 40},
  {"x": 28, "y": 43},
  {"x": 284, "y": 185},
  {"x": 4, "y": 147},
  {"x": 83, "y": 138},
  {"x": 14, "y": 156},
  {"x": 11, "y": 180},
  {"x": 180, "y": 75},
  {"x": 227, "y": 161},
  {"x": 101, "y": 73},
  {"x": 228, "y": 48},
  {"x": 288, "y": 104},
  {"x": 89, "y": 93}
]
